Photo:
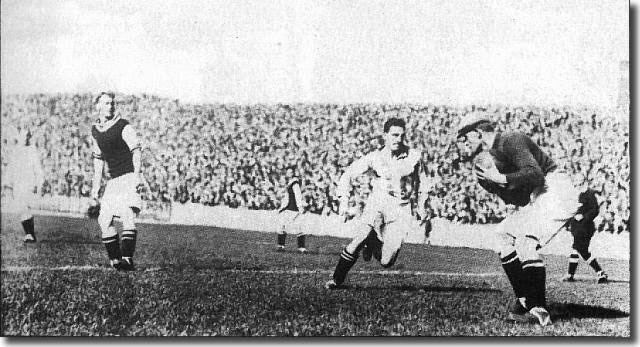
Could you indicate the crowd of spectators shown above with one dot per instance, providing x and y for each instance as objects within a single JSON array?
[{"x": 237, "y": 155}]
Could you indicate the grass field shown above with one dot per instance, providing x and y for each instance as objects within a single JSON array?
[{"x": 205, "y": 281}]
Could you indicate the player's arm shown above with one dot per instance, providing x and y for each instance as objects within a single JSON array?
[
  {"x": 529, "y": 173},
  {"x": 38, "y": 172},
  {"x": 297, "y": 192},
  {"x": 343, "y": 189},
  {"x": 424, "y": 184},
  {"x": 131, "y": 139},
  {"x": 98, "y": 167}
]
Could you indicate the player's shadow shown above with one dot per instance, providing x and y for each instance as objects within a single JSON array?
[
  {"x": 569, "y": 311},
  {"x": 70, "y": 240},
  {"x": 421, "y": 288}
]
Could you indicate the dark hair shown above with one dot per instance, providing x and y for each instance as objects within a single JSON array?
[
  {"x": 112, "y": 95},
  {"x": 394, "y": 122},
  {"x": 487, "y": 127}
]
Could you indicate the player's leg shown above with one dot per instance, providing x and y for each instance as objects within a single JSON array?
[
  {"x": 22, "y": 202},
  {"x": 26, "y": 219},
  {"x": 110, "y": 237},
  {"x": 302, "y": 243},
  {"x": 128, "y": 204},
  {"x": 591, "y": 260},
  {"x": 510, "y": 259},
  {"x": 129, "y": 238},
  {"x": 573, "y": 266},
  {"x": 394, "y": 230},
  {"x": 281, "y": 234},
  {"x": 297, "y": 230},
  {"x": 349, "y": 256}
]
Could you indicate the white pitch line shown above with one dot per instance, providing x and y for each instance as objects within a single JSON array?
[{"x": 277, "y": 272}]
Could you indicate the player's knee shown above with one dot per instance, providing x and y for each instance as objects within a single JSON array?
[
  {"x": 505, "y": 244},
  {"x": 388, "y": 262},
  {"x": 104, "y": 221},
  {"x": 527, "y": 248},
  {"x": 26, "y": 215},
  {"x": 584, "y": 254},
  {"x": 128, "y": 219},
  {"x": 109, "y": 231}
]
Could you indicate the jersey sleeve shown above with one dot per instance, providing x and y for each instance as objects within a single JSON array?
[
  {"x": 356, "y": 168},
  {"x": 130, "y": 137},
  {"x": 297, "y": 192}
]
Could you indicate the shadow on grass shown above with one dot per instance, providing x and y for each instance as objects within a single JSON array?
[
  {"x": 69, "y": 240},
  {"x": 569, "y": 311}
]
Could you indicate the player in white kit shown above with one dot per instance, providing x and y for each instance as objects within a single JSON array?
[
  {"x": 399, "y": 182},
  {"x": 25, "y": 177}
]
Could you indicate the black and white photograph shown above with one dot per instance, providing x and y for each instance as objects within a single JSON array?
[{"x": 316, "y": 168}]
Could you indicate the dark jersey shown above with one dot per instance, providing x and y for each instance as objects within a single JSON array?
[
  {"x": 523, "y": 163},
  {"x": 582, "y": 230},
  {"x": 114, "y": 150},
  {"x": 292, "y": 203}
]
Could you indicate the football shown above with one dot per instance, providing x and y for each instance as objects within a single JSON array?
[{"x": 484, "y": 161}]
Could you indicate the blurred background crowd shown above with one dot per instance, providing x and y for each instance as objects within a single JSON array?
[{"x": 237, "y": 155}]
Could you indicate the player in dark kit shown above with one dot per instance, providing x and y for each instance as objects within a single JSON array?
[
  {"x": 582, "y": 229},
  {"x": 116, "y": 143},
  {"x": 520, "y": 173},
  {"x": 292, "y": 207}
]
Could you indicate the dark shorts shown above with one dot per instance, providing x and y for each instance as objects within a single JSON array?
[{"x": 582, "y": 232}]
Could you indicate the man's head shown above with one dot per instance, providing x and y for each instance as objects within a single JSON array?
[
  {"x": 394, "y": 132},
  {"x": 105, "y": 104},
  {"x": 289, "y": 173},
  {"x": 478, "y": 129}
]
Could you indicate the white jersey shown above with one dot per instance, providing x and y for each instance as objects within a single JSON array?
[
  {"x": 24, "y": 170},
  {"x": 400, "y": 178}
]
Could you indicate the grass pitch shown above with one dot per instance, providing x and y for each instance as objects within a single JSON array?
[{"x": 204, "y": 281}]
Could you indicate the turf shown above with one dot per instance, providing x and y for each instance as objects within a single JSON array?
[{"x": 203, "y": 281}]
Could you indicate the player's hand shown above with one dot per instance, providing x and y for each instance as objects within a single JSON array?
[
  {"x": 141, "y": 184},
  {"x": 343, "y": 208},
  {"x": 578, "y": 217},
  {"x": 94, "y": 208},
  {"x": 491, "y": 174}
]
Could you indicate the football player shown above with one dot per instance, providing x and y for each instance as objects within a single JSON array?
[
  {"x": 292, "y": 207},
  {"x": 399, "y": 181},
  {"x": 582, "y": 229},
  {"x": 115, "y": 143},
  {"x": 25, "y": 177},
  {"x": 523, "y": 175}
]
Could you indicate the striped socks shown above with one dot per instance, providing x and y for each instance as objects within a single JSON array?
[{"x": 344, "y": 265}]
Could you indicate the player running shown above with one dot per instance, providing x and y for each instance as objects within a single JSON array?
[
  {"x": 582, "y": 229},
  {"x": 399, "y": 180},
  {"x": 25, "y": 176},
  {"x": 549, "y": 201},
  {"x": 292, "y": 207},
  {"x": 116, "y": 143}
]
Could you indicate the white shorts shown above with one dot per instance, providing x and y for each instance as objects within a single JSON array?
[
  {"x": 550, "y": 209},
  {"x": 23, "y": 199},
  {"x": 289, "y": 223},
  {"x": 391, "y": 221},
  {"x": 119, "y": 194}
]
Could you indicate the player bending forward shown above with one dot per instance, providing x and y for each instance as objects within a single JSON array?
[
  {"x": 398, "y": 179},
  {"x": 520, "y": 173},
  {"x": 116, "y": 143},
  {"x": 25, "y": 176},
  {"x": 292, "y": 206}
]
